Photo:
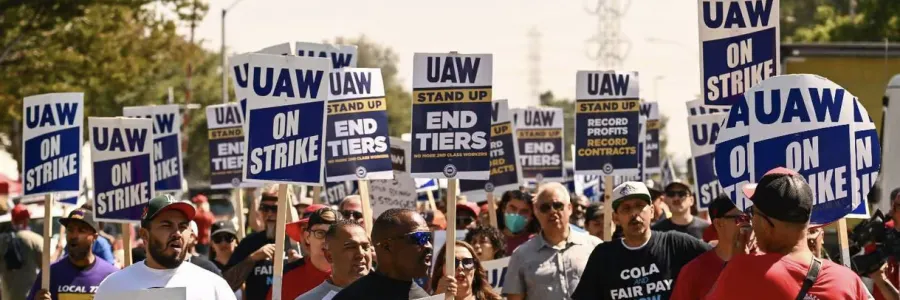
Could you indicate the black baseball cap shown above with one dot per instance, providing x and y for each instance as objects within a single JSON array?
[
  {"x": 223, "y": 227},
  {"x": 81, "y": 215},
  {"x": 674, "y": 184},
  {"x": 782, "y": 194},
  {"x": 720, "y": 206},
  {"x": 162, "y": 203},
  {"x": 594, "y": 211}
]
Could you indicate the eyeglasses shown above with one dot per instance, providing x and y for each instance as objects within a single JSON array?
[
  {"x": 467, "y": 263},
  {"x": 465, "y": 220},
  {"x": 752, "y": 211},
  {"x": 268, "y": 208},
  {"x": 227, "y": 238},
  {"x": 545, "y": 208},
  {"x": 420, "y": 238},
  {"x": 319, "y": 234},
  {"x": 673, "y": 194},
  {"x": 739, "y": 219},
  {"x": 351, "y": 214}
]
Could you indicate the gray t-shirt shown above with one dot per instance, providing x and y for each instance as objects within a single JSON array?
[{"x": 319, "y": 292}]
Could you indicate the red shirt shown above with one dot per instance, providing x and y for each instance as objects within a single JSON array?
[
  {"x": 204, "y": 221},
  {"x": 774, "y": 276},
  {"x": 513, "y": 242},
  {"x": 300, "y": 280},
  {"x": 698, "y": 276}
]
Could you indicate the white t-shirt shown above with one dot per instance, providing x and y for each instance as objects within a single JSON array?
[{"x": 199, "y": 283}]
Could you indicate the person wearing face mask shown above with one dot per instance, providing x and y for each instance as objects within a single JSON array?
[
  {"x": 470, "y": 281},
  {"x": 518, "y": 224},
  {"x": 350, "y": 254},
  {"x": 165, "y": 228}
]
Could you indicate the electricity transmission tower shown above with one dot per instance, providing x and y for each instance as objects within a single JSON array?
[
  {"x": 609, "y": 46},
  {"x": 534, "y": 63}
]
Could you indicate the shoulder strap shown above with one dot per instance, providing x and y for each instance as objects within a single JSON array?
[{"x": 810, "y": 279}]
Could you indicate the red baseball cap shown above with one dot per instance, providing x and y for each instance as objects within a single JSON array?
[
  {"x": 200, "y": 198},
  {"x": 468, "y": 206},
  {"x": 20, "y": 213}
]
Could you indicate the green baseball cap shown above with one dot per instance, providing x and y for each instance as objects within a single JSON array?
[{"x": 162, "y": 203}]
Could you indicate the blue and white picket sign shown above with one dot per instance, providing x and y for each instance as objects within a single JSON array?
[
  {"x": 704, "y": 129},
  {"x": 167, "y": 158},
  {"x": 451, "y": 115},
  {"x": 607, "y": 110},
  {"x": 642, "y": 159},
  {"x": 496, "y": 272},
  {"x": 506, "y": 172},
  {"x": 357, "y": 127},
  {"x": 739, "y": 47},
  {"x": 341, "y": 56},
  {"x": 697, "y": 108},
  {"x": 868, "y": 159},
  {"x": 51, "y": 143},
  {"x": 540, "y": 133},
  {"x": 238, "y": 67},
  {"x": 667, "y": 174},
  {"x": 805, "y": 123},
  {"x": 334, "y": 192},
  {"x": 286, "y": 119},
  {"x": 650, "y": 111},
  {"x": 226, "y": 146},
  {"x": 121, "y": 150}
]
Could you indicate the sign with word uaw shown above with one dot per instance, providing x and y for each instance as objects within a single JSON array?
[
  {"x": 357, "y": 127},
  {"x": 802, "y": 122},
  {"x": 286, "y": 119},
  {"x": 51, "y": 143},
  {"x": 341, "y": 56},
  {"x": 540, "y": 139},
  {"x": 399, "y": 192},
  {"x": 868, "y": 158},
  {"x": 239, "y": 69},
  {"x": 166, "y": 144},
  {"x": 506, "y": 174},
  {"x": 704, "y": 130},
  {"x": 451, "y": 109},
  {"x": 697, "y": 108},
  {"x": 650, "y": 111},
  {"x": 496, "y": 272},
  {"x": 739, "y": 47},
  {"x": 607, "y": 116},
  {"x": 121, "y": 150},
  {"x": 226, "y": 145}
]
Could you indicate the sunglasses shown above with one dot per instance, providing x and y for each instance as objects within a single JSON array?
[
  {"x": 739, "y": 219},
  {"x": 545, "y": 208},
  {"x": 227, "y": 238},
  {"x": 674, "y": 194},
  {"x": 319, "y": 234},
  {"x": 750, "y": 212},
  {"x": 419, "y": 238},
  {"x": 464, "y": 220},
  {"x": 268, "y": 208},
  {"x": 467, "y": 263},
  {"x": 351, "y": 214}
]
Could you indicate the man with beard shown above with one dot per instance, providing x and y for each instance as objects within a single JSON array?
[
  {"x": 81, "y": 272},
  {"x": 403, "y": 247},
  {"x": 643, "y": 264},
  {"x": 350, "y": 254},
  {"x": 164, "y": 229},
  {"x": 680, "y": 200},
  {"x": 549, "y": 265}
]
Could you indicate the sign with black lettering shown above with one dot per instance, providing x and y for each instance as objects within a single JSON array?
[
  {"x": 540, "y": 138},
  {"x": 123, "y": 168},
  {"x": 506, "y": 174},
  {"x": 286, "y": 119},
  {"x": 357, "y": 130},
  {"x": 399, "y": 192},
  {"x": 451, "y": 109},
  {"x": 341, "y": 56},
  {"x": 226, "y": 146},
  {"x": 704, "y": 129},
  {"x": 739, "y": 47},
  {"x": 166, "y": 144},
  {"x": 650, "y": 111},
  {"x": 805, "y": 123},
  {"x": 51, "y": 143},
  {"x": 607, "y": 116}
]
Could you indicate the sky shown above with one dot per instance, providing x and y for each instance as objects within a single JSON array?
[{"x": 663, "y": 36}]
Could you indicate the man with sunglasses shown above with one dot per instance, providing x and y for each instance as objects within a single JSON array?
[
  {"x": 351, "y": 209},
  {"x": 467, "y": 215},
  {"x": 782, "y": 206},
  {"x": 680, "y": 200},
  {"x": 403, "y": 247},
  {"x": 549, "y": 265},
  {"x": 314, "y": 268},
  {"x": 251, "y": 264},
  {"x": 644, "y": 264}
]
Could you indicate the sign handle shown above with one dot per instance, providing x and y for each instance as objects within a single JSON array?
[
  {"x": 842, "y": 240},
  {"x": 608, "y": 227},
  {"x": 366, "y": 207},
  {"x": 317, "y": 194},
  {"x": 126, "y": 244},
  {"x": 431, "y": 200},
  {"x": 48, "y": 231},
  {"x": 279, "y": 241},
  {"x": 450, "y": 243},
  {"x": 492, "y": 209},
  {"x": 238, "y": 195}
]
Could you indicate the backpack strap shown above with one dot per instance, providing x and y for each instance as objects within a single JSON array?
[{"x": 810, "y": 279}]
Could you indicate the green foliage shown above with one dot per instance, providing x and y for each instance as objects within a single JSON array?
[{"x": 874, "y": 21}]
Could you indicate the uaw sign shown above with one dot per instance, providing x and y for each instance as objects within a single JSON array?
[
  {"x": 286, "y": 119},
  {"x": 650, "y": 112},
  {"x": 704, "y": 130},
  {"x": 226, "y": 145},
  {"x": 51, "y": 143},
  {"x": 868, "y": 158},
  {"x": 166, "y": 144},
  {"x": 496, "y": 272},
  {"x": 239, "y": 68},
  {"x": 697, "y": 108},
  {"x": 739, "y": 47},
  {"x": 805, "y": 123},
  {"x": 357, "y": 127},
  {"x": 607, "y": 123},
  {"x": 540, "y": 140},
  {"x": 121, "y": 150},
  {"x": 506, "y": 173},
  {"x": 341, "y": 56},
  {"x": 451, "y": 109}
]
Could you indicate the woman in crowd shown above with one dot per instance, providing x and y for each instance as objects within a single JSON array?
[
  {"x": 517, "y": 222},
  {"x": 470, "y": 281},
  {"x": 487, "y": 241}
]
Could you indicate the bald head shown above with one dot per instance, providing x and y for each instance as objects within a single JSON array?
[
  {"x": 352, "y": 202},
  {"x": 396, "y": 221},
  {"x": 552, "y": 190}
]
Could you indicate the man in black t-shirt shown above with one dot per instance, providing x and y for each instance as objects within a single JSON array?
[
  {"x": 643, "y": 263},
  {"x": 680, "y": 200}
]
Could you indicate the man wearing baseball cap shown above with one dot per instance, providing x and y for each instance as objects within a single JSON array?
[
  {"x": 782, "y": 206},
  {"x": 680, "y": 200},
  {"x": 165, "y": 228},
  {"x": 641, "y": 264},
  {"x": 80, "y": 272},
  {"x": 314, "y": 268}
]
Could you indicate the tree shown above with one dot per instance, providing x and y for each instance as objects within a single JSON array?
[{"x": 874, "y": 21}]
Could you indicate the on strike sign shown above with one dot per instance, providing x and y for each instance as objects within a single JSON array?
[
  {"x": 451, "y": 115},
  {"x": 286, "y": 119},
  {"x": 166, "y": 143},
  {"x": 607, "y": 123},
  {"x": 704, "y": 131},
  {"x": 739, "y": 47},
  {"x": 506, "y": 173},
  {"x": 51, "y": 148},
  {"x": 121, "y": 151},
  {"x": 805, "y": 123}
]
